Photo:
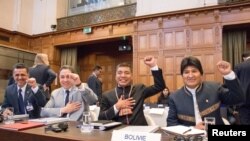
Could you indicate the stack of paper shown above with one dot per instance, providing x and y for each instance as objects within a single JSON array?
[
  {"x": 50, "y": 120},
  {"x": 183, "y": 130}
]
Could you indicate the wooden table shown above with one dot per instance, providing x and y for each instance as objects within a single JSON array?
[{"x": 73, "y": 134}]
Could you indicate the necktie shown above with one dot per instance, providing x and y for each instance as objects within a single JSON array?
[
  {"x": 66, "y": 101},
  {"x": 20, "y": 102},
  {"x": 67, "y": 97}
]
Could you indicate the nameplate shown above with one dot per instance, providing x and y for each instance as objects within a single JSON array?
[{"x": 134, "y": 136}]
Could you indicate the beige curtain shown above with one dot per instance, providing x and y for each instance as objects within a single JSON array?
[
  {"x": 69, "y": 57},
  {"x": 233, "y": 45}
]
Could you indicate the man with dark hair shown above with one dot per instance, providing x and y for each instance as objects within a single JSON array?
[
  {"x": 198, "y": 99},
  {"x": 95, "y": 82},
  {"x": 125, "y": 102},
  {"x": 71, "y": 99},
  {"x": 242, "y": 70},
  {"x": 25, "y": 96}
]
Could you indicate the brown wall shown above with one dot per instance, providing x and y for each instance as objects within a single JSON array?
[{"x": 167, "y": 36}]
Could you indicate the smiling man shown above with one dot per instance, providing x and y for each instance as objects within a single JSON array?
[
  {"x": 198, "y": 99},
  {"x": 25, "y": 95},
  {"x": 71, "y": 99},
  {"x": 124, "y": 103}
]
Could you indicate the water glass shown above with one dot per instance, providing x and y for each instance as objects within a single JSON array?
[
  {"x": 86, "y": 124},
  {"x": 10, "y": 117},
  {"x": 208, "y": 121}
]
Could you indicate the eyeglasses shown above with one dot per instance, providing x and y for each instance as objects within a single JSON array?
[{"x": 188, "y": 138}]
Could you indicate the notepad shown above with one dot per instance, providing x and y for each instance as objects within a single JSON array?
[
  {"x": 148, "y": 129},
  {"x": 183, "y": 130},
  {"x": 21, "y": 126}
]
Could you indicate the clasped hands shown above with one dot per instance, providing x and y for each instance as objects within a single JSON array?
[{"x": 125, "y": 106}]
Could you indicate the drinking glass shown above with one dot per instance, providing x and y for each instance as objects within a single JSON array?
[
  {"x": 86, "y": 124},
  {"x": 208, "y": 121},
  {"x": 10, "y": 118}
]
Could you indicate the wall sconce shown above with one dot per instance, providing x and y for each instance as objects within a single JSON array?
[{"x": 53, "y": 27}]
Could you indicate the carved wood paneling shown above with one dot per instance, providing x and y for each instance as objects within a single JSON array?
[
  {"x": 143, "y": 70},
  {"x": 153, "y": 41},
  {"x": 168, "y": 40},
  {"x": 179, "y": 39},
  {"x": 168, "y": 36},
  {"x": 169, "y": 65},
  {"x": 142, "y": 44},
  {"x": 100, "y": 16},
  {"x": 208, "y": 36}
]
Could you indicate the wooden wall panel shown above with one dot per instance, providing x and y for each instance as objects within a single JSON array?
[
  {"x": 168, "y": 40},
  {"x": 170, "y": 82},
  {"x": 153, "y": 41},
  {"x": 197, "y": 37},
  {"x": 179, "y": 82},
  {"x": 142, "y": 42},
  {"x": 149, "y": 24},
  {"x": 143, "y": 69},
  {"x": 169, "y": 65},
  {"x": 62, "y": 38},
  {"x": 173, "y": 22},
  {"x": 208, "y": 64},
  {"x": 123, "y": 29},
  {"x": 208, "y": 36},
  {"x": 179, "y": 39}
]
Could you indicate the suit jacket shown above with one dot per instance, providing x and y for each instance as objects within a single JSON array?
[
  {"x": 96, "y": 85},
  {"x": 56, "y": 102},
  {"x": 139, "y": 93},
  {"x": 209, "y": 95},
  {"x": 242, "y": 70},
  {"x": 36, "y": 99}
]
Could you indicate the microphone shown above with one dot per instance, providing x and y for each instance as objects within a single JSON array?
[{"x": 63, "y": 126}]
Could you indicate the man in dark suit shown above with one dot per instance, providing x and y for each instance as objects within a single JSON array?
[
  {"x": 95, "y": 83},
  {"x": 25, "y": 96},
  {"x": 242, "y": 70},
  {"x": 198, "y": 99},
  {"x": 125, "y": 102}
]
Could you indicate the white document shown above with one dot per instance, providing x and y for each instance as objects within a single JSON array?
[
  {"x": 147, "y": 129},
  {"x": 19, "y": 117},
  {"x": 50, "y": 120},
  {"x": 157, "y": 111},
  {"x": 183, "y": 130}
]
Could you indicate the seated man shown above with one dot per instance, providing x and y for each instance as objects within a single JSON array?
[
  {"x": 71, "y": 99},
  {"x": 24, "y": 95},
  {"x": 198, "y": 99},
  {"x": 125, "y": 102}
]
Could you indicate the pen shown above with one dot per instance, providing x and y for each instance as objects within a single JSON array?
[{"x": 187, "y": 131}]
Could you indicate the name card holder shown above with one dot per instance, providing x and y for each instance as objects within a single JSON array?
[{"x": 134, "y": 136}]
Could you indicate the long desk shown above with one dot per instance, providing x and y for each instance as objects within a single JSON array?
[{"x": 73, "y": 134}]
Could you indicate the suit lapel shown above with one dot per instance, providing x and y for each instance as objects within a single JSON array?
[{"x": 14, "y": 95}]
